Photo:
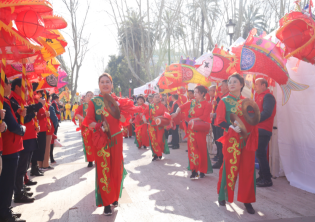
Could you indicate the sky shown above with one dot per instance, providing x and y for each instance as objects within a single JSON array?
[{"x": 103, "y": 40}]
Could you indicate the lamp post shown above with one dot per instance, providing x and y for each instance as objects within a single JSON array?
[
  {"x": 130, "y": 81},
  {"x": 119, "y": 90},
  {"x": 230, "y": 29}
]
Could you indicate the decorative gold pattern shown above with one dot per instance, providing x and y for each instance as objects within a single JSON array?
[
  {"x": 87, "y": 148},
  {"x": 100, "y": 111},
  {"x": 154, "y": 144},
  {"x": 192, "y": 109},
  {"x": 233, "y": 149},
  {"x": 104, "y": 180},
  {"x": 194, "y": 157}
]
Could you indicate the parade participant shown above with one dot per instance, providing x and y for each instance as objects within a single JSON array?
[
  {"x": 127, "y": 131},
  {"x": 190, "y": 95},
  {"x": 29, "y": 140},
  {"x": 3, "y": 128},
  {"x": 156, "y": 133},
  {"x": 199, "y": 109},
  {"x": 108, "y": 151},
  {"x": 150, "y": 99},
  {"x": 68, "y": 112},
  {"x": 74, "y": 108},
  {"x": 218, "y": 131},
  {"x": 142, "y": 138},
  {"x": 55, "y": 104},
  {"x": 267, "y": 106},
  {"x": 85, "y": 132},
  {"x": 12, "y": 145},
  {"x": 174, "y": 132},
  {"x": 44, "y": 124},
  {"x": 50, "y": 133},
  {"x": 238, "y": 152}
]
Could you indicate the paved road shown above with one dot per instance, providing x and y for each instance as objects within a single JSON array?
[{"x": 153, "y": 191}]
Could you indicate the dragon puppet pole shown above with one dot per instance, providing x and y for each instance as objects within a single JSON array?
[
  {"x": 31, "y": 96},
  {"x": 253, "y": 86},
  {"x": 23, "y": 88},
  {"x": 47, "y": 109},
  {"x": 215, "y": 95},
  {"x": 2, "y": 64}
]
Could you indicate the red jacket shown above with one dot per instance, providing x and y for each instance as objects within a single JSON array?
[
  {"x": 12, "y": 141},
  {"x": 41, "y": 116},
  {"x": 268, "y": 123}
]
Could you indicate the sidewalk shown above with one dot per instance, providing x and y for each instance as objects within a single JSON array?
[{"x": 154, "y": 191}]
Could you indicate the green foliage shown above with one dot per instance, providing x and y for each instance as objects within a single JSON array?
[
  {"x": 253, "y": 19},
  {"x": 118, "y": 68}
]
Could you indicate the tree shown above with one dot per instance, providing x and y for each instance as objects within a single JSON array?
[
  {"x": 252, "y": 19},
  {"x": 79, "y": 40}
]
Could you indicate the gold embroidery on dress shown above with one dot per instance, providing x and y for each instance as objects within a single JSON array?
[
  {"x": 194, "y": 156},
  {"x": 192, "y": 109},
  {"x": 154, "y": 144},
  {"x": 104, "y": 180},
  {"x": 233, "y": 149},
  {"x": 100, "y": 111},
  {"x": 87, "y": 148}
]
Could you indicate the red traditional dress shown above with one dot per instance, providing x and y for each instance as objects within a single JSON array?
[
  {"x": 85, "y": 133},
  {"x": 108, "y": 154},
  {"x": 127, "y": 132},
  {"x": 156, "y": 133},
  {"x": 198, "y": 155},
  {"x": 142, "y": 137},
  {"x": 239, "y": 153}
]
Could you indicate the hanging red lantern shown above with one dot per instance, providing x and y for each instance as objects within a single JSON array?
[{"x": 30, "y": 24}]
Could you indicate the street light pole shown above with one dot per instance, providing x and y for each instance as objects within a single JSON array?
[
  {"x": 130, "y": 81},
  {"x": 230, "y": 29}
]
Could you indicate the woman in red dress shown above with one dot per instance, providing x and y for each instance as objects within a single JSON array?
[
  {"x": 158, "y": 142},
  {"x": 142, "y": 136},
  {"x": 199, "y": 109},
  {"x": 108, "y": 151},
  {"x": 238, "y": 151}
]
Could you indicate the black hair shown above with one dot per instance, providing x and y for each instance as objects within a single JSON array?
[
  {"x": 16, "y": 82},
  {"x": 34, "y": 85},
  {"x": 141, "y": 97},
  {"x": 225, "y": 81},
  {"x": 89, "y": 92},
  {"x": 192, "y": 91},
  {"x": 202, "y": 90},
  {"x": 239, "y": 77},
  {"x": 6, "y": 80},
  {"x": 175, "y": 96},
  {"x": 263, "y": 82}
]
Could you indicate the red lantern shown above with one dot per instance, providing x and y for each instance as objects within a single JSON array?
[{"x": 30, "y": 24}]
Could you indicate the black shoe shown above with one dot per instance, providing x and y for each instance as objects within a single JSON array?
[
  {"x": 194, "y": 175},
  {"x": 264, "y": 183},
  {"x": 187, "y": 151},
  {"x": 11, "y": 218},
  {"x": 23, "y": 199},
  {"x": 90, "y": 164},
  {"x": 217, "y": 165},
  {"x": 107, "y": 210},
  {"x": 259, "y": 179},
  {"x": 249, "y": 208},
  {"x": 29, "y": 194},
  {"x": 175, "y": 147},
  {"x": 36, "y": 172},
  {"x": 222, "y": 203},
  {"x": 144, "y": 147},
  {"x": 130, "y": 136},
  {"x": 115, "y": 204},
  {"x": 155, "y": 157},
  {"x": 25, "y": 188},
  {"x": 160, "y": 157},
  {"x": 15, "y": 214},
  {"x": 31, "y": 183},
  {"x": 202, "y": 175}
]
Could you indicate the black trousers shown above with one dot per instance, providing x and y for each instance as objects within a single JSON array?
[
  {"x": 175, "y": 137},
  {"x": 52, "y": 147},
  {"x": 217, "y": 133},
  {"x": 261, "y": 155},
  {"x": 7, "y": 180},
  {"x": 21, "y": 171}
]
